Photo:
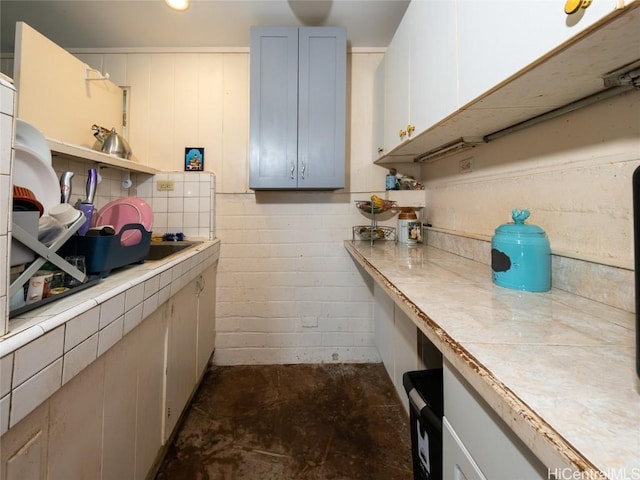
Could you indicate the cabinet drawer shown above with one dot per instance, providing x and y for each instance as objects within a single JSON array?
[
  {"x": 457, "y": 463},
  {"x": 496, "y": 449}
]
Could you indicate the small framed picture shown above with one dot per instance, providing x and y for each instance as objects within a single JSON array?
[{"x": 194, "y": 159}]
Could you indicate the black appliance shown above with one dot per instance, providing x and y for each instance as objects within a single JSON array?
[{"x": 424, "y": 389}]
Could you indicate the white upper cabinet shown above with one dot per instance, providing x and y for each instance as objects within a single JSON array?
[
  {"x": 498, "y": 38},
  {"x": 378, "y": 109},
  {"x": 434, "y": 68},
  {"x": 467, "y": 69},
  {"x": 421, "y": 70},
  {"x": 396, "y": 104}
]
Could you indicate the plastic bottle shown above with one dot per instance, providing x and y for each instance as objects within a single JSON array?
[{"x": 391, "y": 181}]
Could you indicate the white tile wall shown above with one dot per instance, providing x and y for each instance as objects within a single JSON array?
[
  {"x": 111, "y": 309},
  {"x": 34, "y": 391},
  {"x": 189, "y": 208},
  {"x": 6, "y": 371},
  {"x": 81, "y": 327},
  {"x": 37, "y": 355},
  {"x": 132, "y": 318},
  {"x": 110, "y": 335},
  {"x": 79, "y": 357},
  {"x": 5, "y": 405}
]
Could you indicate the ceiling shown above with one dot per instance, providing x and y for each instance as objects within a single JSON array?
[{"x": 101, "y": 24}]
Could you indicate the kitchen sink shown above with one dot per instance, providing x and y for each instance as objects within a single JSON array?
[{"x": 162, "y": 250}]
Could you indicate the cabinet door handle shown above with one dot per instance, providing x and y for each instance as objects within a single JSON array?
[
  {"x": 304, "y": 167},
  {"x": 380, "y": 150},
  {"x": 402, "y": 133},
  {"x": 410, "y": 129},
  {"x": 293, "y": 169}
]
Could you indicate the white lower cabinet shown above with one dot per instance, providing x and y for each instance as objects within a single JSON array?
[
  {"x": 181, "y": 353},
  {"x": 457, "y": 463},
  {"x": 23, "y": 449},
  {"x": 190, "y": 343},
  {"x": 396, "y": 338},
  {"x": 477, "y": 444},
  {"x": 206, "y": 319},
  {"x": 108, "y": 422},
  {"x": 151, "y": 345},
  {"x": 119, "y": 411}
]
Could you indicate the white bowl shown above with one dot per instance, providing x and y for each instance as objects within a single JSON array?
[
  {"x": 65, "y": 213},
  {"x": 30, "y": 138}
]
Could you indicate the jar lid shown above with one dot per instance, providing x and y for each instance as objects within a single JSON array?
[
  {"x": 518, "y": 227},
  {"x": 407, "y": 213}
]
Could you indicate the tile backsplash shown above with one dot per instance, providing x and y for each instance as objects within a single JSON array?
[{"x": 188, "y": 208}]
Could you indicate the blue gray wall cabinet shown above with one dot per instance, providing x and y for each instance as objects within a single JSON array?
[{"x": 298, "y": 108}]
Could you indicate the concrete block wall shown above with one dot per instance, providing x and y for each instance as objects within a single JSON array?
[{"x": 287, "y": 290}]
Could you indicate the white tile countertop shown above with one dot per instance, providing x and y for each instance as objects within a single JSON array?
[
  {"x": 559, "y": 369},
  {"x": 48, "y": 346}
]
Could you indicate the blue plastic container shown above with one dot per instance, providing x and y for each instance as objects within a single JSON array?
[{"x": 521, "y": 255}]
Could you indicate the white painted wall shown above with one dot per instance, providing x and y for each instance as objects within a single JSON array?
[{"x": 573, "y": 173}]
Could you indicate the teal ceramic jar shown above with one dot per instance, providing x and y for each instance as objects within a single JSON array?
[{"x": 521, "y": 255}]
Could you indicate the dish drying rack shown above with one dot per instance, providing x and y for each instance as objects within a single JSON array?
[
  {"x": 46, "y": 254},
  {"x": 373, "y": 232}
]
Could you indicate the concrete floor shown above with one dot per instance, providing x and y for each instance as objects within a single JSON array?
[{"x": 280, "y": 422}]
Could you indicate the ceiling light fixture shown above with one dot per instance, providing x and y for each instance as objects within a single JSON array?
[{"x": 179, "y": 5}]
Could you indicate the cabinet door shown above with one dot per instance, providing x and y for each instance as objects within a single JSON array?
[
  {"x": 206, "y": 318},
  {"x": 23, "y": 449},
  {"x": 457, "y": 463},
  {"x": 181, "y": 353},
  {"x": 496, "y": 38},
  {"x": 434, "y": 69},
  {"x": 383, "y": 311},
  {"x": 119, "y": 409},
  {"x": 322, "y": 86},
  {"x": 75, "y": 429},
  {"x": 273, "y": 156},
  {"x": 378, "y": 110},
  {"x": 495, "y": 448},
  {"x": 151, "y": 336},
  {"x": 396, "y": 106},
  {"x": 405, "y": 349}
]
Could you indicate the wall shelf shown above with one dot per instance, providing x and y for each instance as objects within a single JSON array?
[
  {"x": 75, "y": 152},
  {"x": 573, "y": 71}
]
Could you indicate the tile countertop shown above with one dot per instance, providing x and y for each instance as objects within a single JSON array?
[
  {"x": 48, "y": 346},
  {"x": 557, "y": 368},
  {"x": 32, "y": 324}
]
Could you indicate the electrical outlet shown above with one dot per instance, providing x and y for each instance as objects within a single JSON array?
[
  {"x": 165, "y": 185},
  {"x": 466, "y": 165}
]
